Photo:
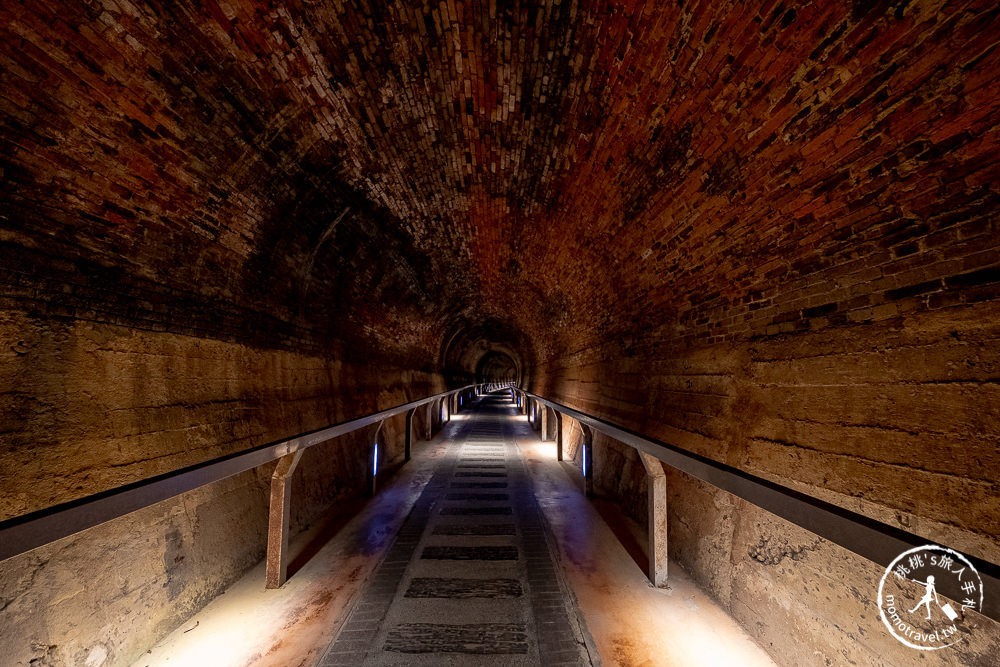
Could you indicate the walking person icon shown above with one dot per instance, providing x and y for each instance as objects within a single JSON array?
[
  {"x": 922, "y": 627},
  {"x": 929, "y": 593}
]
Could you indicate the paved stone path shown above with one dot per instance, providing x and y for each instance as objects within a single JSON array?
[{"x": 470, "y": 579}]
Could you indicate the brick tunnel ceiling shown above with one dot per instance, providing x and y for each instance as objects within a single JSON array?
[{"x": 436, "y": 182}]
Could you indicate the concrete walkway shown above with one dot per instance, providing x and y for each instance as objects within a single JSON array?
[
  {"x": 470, "y": 579},
  {"x": 597, "y": 550}
]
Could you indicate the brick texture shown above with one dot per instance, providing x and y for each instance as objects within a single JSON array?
[{"x": 764, "y": 232}]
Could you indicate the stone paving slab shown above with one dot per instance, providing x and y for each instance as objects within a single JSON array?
[
  {"x": 488, "y": 638},
  {"x": 474, "y": 529},
  {"x": 470, "y": 553},
  {"x": 460, "y": 610},
  {"x": 468, "y": 569},
  {"x": 478, "y": 485},
  {"x": 438, "y": 587},
  {"x": 477, "y": 511}
]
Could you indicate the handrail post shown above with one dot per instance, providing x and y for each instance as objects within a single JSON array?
[
  {"x": 559, "y": 436},
  {"x": 409, "y": 434},
  {"x": 545, "y": 423},
  {"x": 656, "y": 490},
  {"x": 278, "y": 519},
  {"x": 869, "y": 538},
  {"x": 30, "y": 531}
]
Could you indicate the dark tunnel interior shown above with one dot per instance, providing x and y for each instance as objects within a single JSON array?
[{"x": 763, "y": 234}]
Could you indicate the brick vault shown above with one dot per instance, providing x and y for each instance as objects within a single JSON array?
[{"x": 765, "y": 233}]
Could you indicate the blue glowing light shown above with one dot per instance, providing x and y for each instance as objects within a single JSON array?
[
  {"x": 585, "y": 460},
  {"x": 375, "y": 461}
]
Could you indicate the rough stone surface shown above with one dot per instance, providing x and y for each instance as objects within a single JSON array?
[
  {"x": 482, "y": 638},
  {"x": 476, "y": 496},
  {"x": 478, "y": 485},
  {"x": 475, "y": 511},
  {"x": 427, "y": 587},
  {"x": 474, "y": 529},
  {"x": 470, "y": 553},
  {"x": 761, "y": 232}
]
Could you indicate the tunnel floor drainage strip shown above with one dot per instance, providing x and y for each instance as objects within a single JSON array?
[
  {"x": 438, "y": 587},
  {"x": 478, "y": 485},
  {"x": 476, "y": 511},
  {"x": 470, "y": 553},
  {"x": 478, "y": 575},
  {"x": 475, "y": 529},
  {"x": 481, "y": 638}
]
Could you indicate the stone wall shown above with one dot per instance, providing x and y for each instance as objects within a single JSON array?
[
  {"x": 897, "y": 422},
  {"x": 90, "y": 407},
  {"x": 764, "y": 233},
  {"x": 106, "y": 405}
]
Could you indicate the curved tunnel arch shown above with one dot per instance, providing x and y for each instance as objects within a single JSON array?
[
  {"x": 484, "y": 351},
  {"x": 497, "y": 366}
]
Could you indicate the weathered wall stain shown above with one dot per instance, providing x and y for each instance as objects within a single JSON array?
[{"x": 762, "y": 232}]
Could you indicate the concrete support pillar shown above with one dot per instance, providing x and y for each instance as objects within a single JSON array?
[
  {"x": 545, "y": 422},
  {"x": 559, "y": 435},
  {"x": 276, "y": 569},
  {"x": 656, "y": 489},
  {"x": 429, "y": 427},
  {"x": 409, "y": 434}
]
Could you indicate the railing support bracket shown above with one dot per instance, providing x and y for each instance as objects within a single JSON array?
[{"x": 278, "y": 520}]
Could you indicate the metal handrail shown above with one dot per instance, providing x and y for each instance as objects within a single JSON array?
[
  {"x": 874, "y": 540},
  {"x": 30, "y": 531}
]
